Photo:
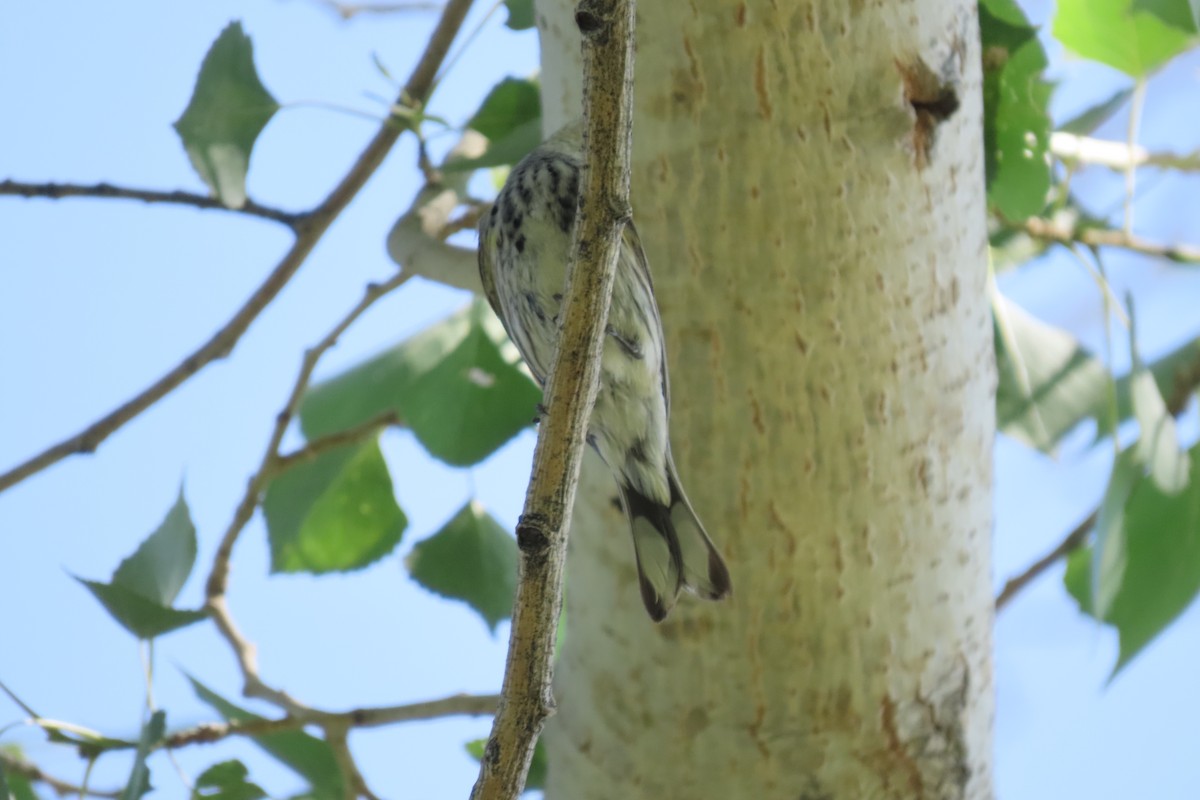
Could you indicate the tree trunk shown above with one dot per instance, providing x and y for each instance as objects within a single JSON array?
[{"x": 808, "y": 182}]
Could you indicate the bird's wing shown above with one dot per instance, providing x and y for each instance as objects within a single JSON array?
[
  {"x": 631, "y": 242},
  {"x": 487, "y": 267}
]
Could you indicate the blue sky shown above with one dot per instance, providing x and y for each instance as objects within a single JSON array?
[{"x": 99, "y": 298}]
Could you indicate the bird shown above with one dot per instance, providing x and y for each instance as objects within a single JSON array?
[{"x": 524, "y": 246}]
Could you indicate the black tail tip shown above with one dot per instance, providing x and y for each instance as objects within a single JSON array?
[
  {"x": 655, "y": 606},
  {"x": 718, "y": 576}
]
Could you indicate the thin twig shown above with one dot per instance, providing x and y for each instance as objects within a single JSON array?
[
  {"x": 309, "y": 229},
  {"x": 215, "y": 604},
  {"x": 1087, "y": 151},
  {"x": 32, "y": 772},
  {"x": 452, "y": 706},
  {"x": 354, "y": 785},
  {"x": 1106, "y": 237},
  {"x": 318, "y": 447},
  {"x": 348, "y": 11},
  {"x": 527, "y": 697},
  {"x": 1135, "y": 118},
  {"x": 1068, "y": 545},
  {"x": 58, "y": 191}
]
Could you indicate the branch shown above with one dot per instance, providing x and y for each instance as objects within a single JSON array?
[
  {"x": 32, "y": 772},
  {"x": 318, "y": 447},
  {"x": 418, "y": 239},
  {"x": 218, "y": 577},
  {"x": 58, "y": 191},
  {"x": 309, "y": 229},
  {"x": 1071, "y": 149},
  {"x": 526, "y": 698},
  {"x": 1048, "y": 231},
  {"x": 350, "y": 10},
  {"x": 453, "y": 706},
  {"x": 1068, "y": 545},
  {"x": 354, "y": 785}
]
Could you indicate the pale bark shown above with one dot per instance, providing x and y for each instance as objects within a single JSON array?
[{"x": 819, "y": 252}]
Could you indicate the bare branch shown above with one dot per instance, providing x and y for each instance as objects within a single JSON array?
[
  {"x": 1107, "y": 237},
  {"x": 1119, "y": 156},
  {"x": 317, "y": 447},
  {"x": 1068, "y": 545},
  {"x": 418, "y": 239},
  {"x": 218, "y": 577},
  {"x": 58, "y": 191},
  {"x": 452, "y": 706},
  {"x": 350, "y": 10},
  {"x": 309, "y": 229},
  {"x": 527, "y": 697},
  {"x": 32, "y": 772}
]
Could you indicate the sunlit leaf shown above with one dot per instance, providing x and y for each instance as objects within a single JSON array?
[
  {"x": 473, "y": 559},
  {"x": 1121, "y": 33},
  {"x": 228, "y": 110},
  {"x": 1183, "y": 15},
  {"x": 335, "y": 513},
  {"x": 459, "y": 385}
]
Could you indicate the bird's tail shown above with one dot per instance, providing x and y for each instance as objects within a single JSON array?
[{"x": 672, "y": 549}]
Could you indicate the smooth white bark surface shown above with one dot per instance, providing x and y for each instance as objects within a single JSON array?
[{"x": 819, "y": 251}]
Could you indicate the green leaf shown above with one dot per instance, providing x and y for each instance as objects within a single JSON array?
[
  {"x": 308, "y": 756},
  {"x": 1158, "y": 444},
  {"x": 161, "y": 565},
  {"x": 226, "y": 781},
  {"x": 1161, "y": 577},
  {"x": 1048, "y": 382},
  {"x": 473, "y": 559},
  {"x": 511, "y": 103},
  {"x": 1109, "y": 554},
  {"x": 502, "y": 152},
  {"x": 146, "y": 584},
  {"x": 228, "y": 110},
  {"x": 1183, "y": 15},
  {"x": 1087, "y": 121},
  {"x": 334, "y": 514},
  {"x": 520, "y": 14},
  {"x": 458, "y": 385},
  {"x": 1016, "y": 125},
  {"x": 1120, "y": 33},
  {"x": 534, "y": 779},
  {"x": 143, "y": 618},
  {"x": 139, "y": 778}
]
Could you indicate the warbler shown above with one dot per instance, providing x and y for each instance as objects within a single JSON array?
[{"x": 524, "y": 244}]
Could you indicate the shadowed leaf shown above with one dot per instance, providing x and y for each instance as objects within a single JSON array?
[{"x": 228, "y": 110}]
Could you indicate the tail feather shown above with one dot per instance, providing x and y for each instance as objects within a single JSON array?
[
  {"x": 703, "y": 570},
  {"x": 672, "y": 550}
]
